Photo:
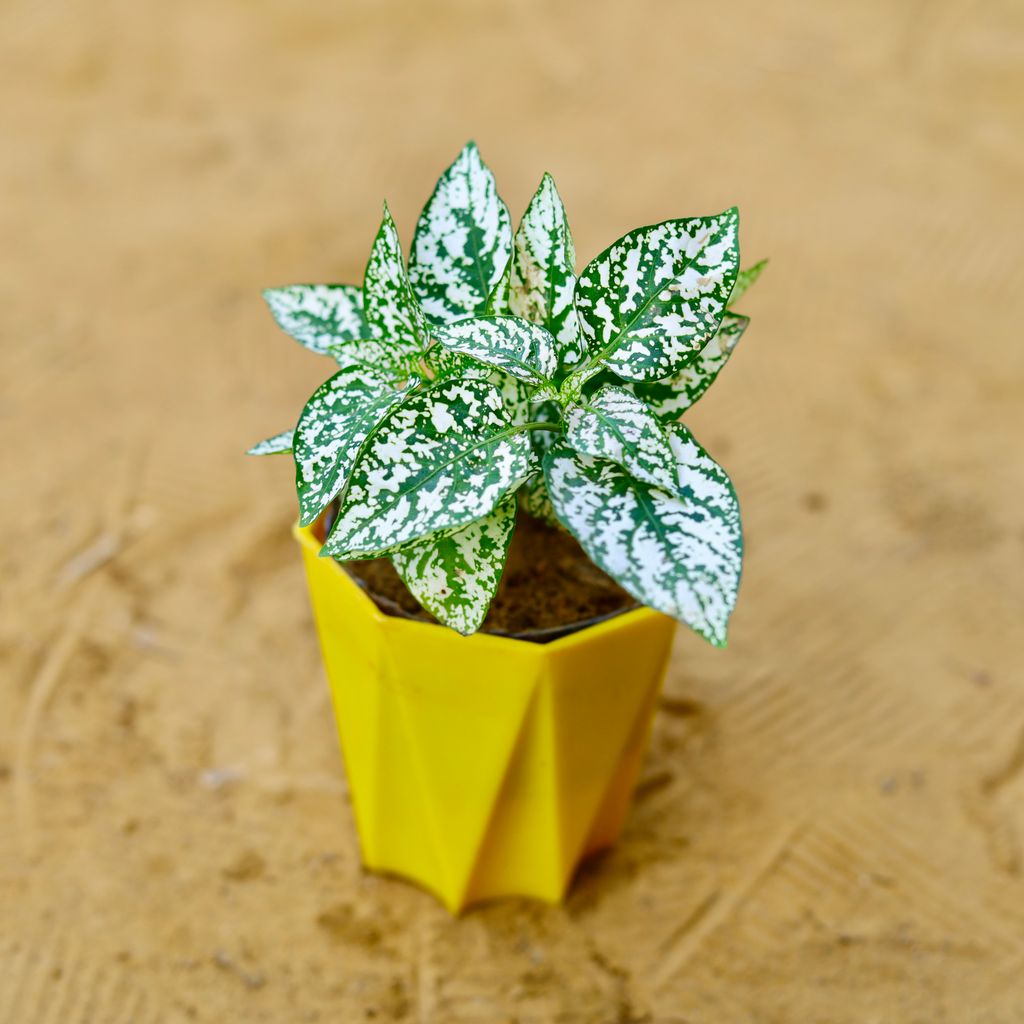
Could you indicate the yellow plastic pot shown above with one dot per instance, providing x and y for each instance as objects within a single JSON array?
[{"x": 484, "y": 766}]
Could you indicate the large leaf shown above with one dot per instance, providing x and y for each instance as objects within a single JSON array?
[
  {"x": 744, "y": 279},
  {"x": 391, "y": 309},
  {"x": 456, "y": 574},
  {"x": 337, "y": 419},
  {"x": 276, "y": 445},
  {"x": 520, "y": 348},
  {"x": 651, "y": 301},
  {"x": 443, "y": 458},
  {"x": 319, "y": 316},
  {"x": 614, "y": 424},
  {"x": 670, "y": 398},
  {"x": 462, "y": 242},
  {"x": 679, "y": 553},
  {"x": 542, "y": 272}
]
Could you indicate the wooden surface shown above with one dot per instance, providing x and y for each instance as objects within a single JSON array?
[{"x": 830, "y": 827}]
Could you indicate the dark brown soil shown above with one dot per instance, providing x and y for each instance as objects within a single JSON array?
[{"x": 549, "y": 586}]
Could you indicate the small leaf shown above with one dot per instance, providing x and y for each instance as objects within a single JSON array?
[
  {"x": 276, "y": 445},
  {"x": 443, "y": 458},
  {"x": 445, "y": 364},
  {"x": 520, "y": 348},
  {"x": 670, "y": 398},
  {"x": 335, "y": 422},
  {"x": 533, "y": 495},
  {"x": 462, "y": 243},
  {"x": 679, "y": 553},
  {"x": 614, "y": 424},
  {"x": 391, "y": 308},
  {"x": 651, "y": 301},
  {"x": 542, "y": 277},
  {"x": 319, "y": 316},
  {"x": 535, "y": 501},
  {"x": 455, "y": 575},
  {"x": 744, "y": 279}
]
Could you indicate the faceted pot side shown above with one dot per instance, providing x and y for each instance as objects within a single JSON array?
[{"x": 484, "y": 766}]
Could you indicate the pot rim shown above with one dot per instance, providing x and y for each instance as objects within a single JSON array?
[{"x": 581, "y": 632}]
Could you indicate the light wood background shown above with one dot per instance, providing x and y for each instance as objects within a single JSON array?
[{"x": 830, "y": 827}]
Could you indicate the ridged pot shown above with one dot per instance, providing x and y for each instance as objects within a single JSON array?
[{"x": 484, "y": 766}]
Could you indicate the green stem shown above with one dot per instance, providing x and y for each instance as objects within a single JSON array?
[{"x": 539, "y": 426}]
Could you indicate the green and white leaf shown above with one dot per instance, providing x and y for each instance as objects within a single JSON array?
[
  {"x": 462, "y": 242},
  {"x": 441, "y": 459},
  {"x": 319, "y": 316},
  {"x": 533, "y": 495},
  {"x": 337, "y": 419},
  {"x": 455, "y": 575},
  {"x": 744, "y": 279},
  {"x": 651, "y": 301},
  {"x": 391, "y": 309},
  {"x": 520, "y": 348},
  {"x": 614, "y": 424},
  {"x": 276, "y": 445},
  {"x": 498, "y": 299},
  {"x": 445, "y": 364},
  {"x": 516, "y": 396},
  {"x": 535, "y": 501},
  {"x": 679, "y": 553},
  {"x": 671, "y": 397},
  {"x": 542, "y": 273}
]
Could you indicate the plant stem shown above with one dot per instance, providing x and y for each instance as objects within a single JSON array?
[{"x": 540, "y": 426}]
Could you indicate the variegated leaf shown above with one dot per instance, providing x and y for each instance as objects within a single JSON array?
[
  {"x": 498, "y": 299},
  {"x": 520, "y": 348},
  {"x": 337, "y": 419},
  {"x": 515, "y": 394},
  {"x": 319, "y": 316},
  {"x": 744, "y": 279},
  {"x": 276, "y": 445},
  {"x": 535, "y": 501},
  {"x": 455, "y": 575},
  {"x": 542, "y": 273},
  {"x": 444, "y": 457},
  {"x": 672, "y": 397},
  {"x": 533, "y": 495},
  {"x": 614, "y": 424},
  {"x": 679, "y": 553},
  {"x": 462, "y": 243},
  {"x": 391, "y": 309},
  {"x": 651, "y": 301},
  {"x": 445, "y": 364}
]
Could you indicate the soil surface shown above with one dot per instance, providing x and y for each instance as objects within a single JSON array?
[
  {"x": 549, "y": 587},
  {"x": 830, "y": 823}
]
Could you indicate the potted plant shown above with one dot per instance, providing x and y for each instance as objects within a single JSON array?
[{"x": 482, "y": 382}]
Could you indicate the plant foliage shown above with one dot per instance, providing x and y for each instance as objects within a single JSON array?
[{"x": 485, "y": 376}]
